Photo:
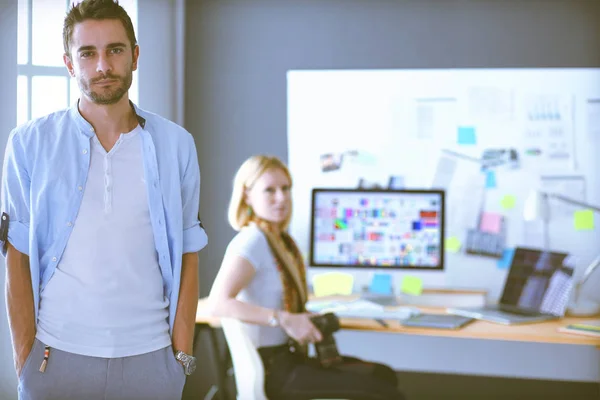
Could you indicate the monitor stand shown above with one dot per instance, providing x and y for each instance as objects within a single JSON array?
[{"x": 385, "y": 300}]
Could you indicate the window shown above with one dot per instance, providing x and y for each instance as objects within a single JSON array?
[{"x": 43, "y": 84}]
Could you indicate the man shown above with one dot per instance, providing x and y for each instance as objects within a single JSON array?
[{"x": 100, "y": 231}]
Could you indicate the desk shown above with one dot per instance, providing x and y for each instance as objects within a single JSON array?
[
  {"x": 531, "y": 351},
  {"x": 544, "y": 332}
]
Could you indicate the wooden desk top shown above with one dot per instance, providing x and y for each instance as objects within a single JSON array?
[{"x": 543, "y": 332}]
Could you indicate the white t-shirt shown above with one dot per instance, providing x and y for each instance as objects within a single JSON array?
[
  {"x": 106, "y": 296},
  {"x": 265, "y": 289}
]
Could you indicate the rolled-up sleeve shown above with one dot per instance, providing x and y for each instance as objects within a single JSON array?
[
  {"x": 15, "y": 195},
  {"x": 194, "y": 236}
]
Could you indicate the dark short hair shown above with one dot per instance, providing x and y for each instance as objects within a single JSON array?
[{"x": 98, "y": 10}]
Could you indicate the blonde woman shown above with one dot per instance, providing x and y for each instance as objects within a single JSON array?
[{"x": 262, "y": 282}]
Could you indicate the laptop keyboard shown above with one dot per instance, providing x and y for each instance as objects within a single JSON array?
[{"x": 524, "y": 313}]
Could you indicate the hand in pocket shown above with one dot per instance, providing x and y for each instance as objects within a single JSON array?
[{"x": 22, "y": 356}]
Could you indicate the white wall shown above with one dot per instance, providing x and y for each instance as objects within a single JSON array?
[
  {"x": 157, "y": 22},
  {"x": 8, "y": 119}
]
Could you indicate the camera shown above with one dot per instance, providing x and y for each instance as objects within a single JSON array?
[{"x": 327, "y": 351}]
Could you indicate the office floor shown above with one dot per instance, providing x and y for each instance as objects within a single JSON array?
[
  {"x": 420, "y": 386},
  {"x": 423, "y": 386}
]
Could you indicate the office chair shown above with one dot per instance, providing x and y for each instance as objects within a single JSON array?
[
  {"x": 250, "y": 383},
  {"x": 248, "y": 368}
]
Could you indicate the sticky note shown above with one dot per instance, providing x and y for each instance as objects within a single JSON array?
[
  {"x": 491, "y": 222},
  {"x": 584, "y": 220},
  {"x": 333, "y": 283},
  {"x": 508, "y": 202},
  {"x": 490, "y": 179},
  {"x": 453, "y": 244},
  {"x": 412, "y": 285},
  {"x": 381, "y": 284},
  {"x": 507, "y": 258},
  {"x": 365, "y": 158},
  {"x": 466, "y": 135}
]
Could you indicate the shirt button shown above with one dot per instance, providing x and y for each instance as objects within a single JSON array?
[
  {"x": 92, "y": 129},
  {"x": 80, "y": 188},
  {"x": 84, "y": 151},
  {"x": 54, "y": 259},
  {"x": 69, "y": 223}
]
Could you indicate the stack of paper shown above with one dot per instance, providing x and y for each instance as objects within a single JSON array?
[{"x": 587, "y": 328}]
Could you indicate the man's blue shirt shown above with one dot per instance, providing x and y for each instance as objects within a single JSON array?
[{"x": 45, "y": 171}]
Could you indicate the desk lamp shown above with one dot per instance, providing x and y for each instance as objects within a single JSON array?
[
  {"x": 537, "y": 207},
  {"x": 582, "y": 306}
]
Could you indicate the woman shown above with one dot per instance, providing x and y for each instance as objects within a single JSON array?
[{"x": 262, "y": 282}]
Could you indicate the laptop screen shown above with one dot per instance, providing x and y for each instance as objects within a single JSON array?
[{"x": 538, "y": 281}]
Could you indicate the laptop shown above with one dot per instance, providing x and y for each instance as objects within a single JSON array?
[{"x": 537, "y": 289}]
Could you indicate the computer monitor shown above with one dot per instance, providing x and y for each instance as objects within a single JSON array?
[{"x": 377, "y": 229}]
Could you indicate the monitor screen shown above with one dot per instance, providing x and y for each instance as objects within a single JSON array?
[
  {"x": 377, "y": 228},
  {"x": 538, "y": 281}
]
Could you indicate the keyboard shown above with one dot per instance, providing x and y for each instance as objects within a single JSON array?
[
  {"x": 498, "y": 316},
  {"x": 399, "y": 313},
  {"x": 382, "y": 300},
  {"x": 361, "y": 309}
]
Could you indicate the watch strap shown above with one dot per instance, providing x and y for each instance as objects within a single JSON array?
[
  {"x": 188, "y": 362},
  {"x": 274, "y": 320}
]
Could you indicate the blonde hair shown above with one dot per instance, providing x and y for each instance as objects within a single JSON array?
[{"x": 248, "y": 173}]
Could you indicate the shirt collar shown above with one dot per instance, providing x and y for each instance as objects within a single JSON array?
[{"x": 87, "y": 128}]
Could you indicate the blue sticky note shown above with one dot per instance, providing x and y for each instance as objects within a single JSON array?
[
  {"x": 507, "y": 258},
  {"x": 381, "y": 284},
  {"x": 466, "y": 135},
  {"x": 490, "y": 179}
]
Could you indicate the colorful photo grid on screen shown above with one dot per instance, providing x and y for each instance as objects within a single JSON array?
[{"x": 377, "y": 228}]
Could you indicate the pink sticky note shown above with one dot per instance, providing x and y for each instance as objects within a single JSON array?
[{"x": 491, "y": 222}]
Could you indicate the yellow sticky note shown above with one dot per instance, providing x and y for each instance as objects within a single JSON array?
[
  {"x": 508, "y": 202},
  {"x": 453, "y": 244},
  {"x": 412, "y": 285},
  {"x": 584, "y": 220},
  {"x": 333, "y": 283}
]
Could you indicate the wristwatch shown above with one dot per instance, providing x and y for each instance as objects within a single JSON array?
[
  {"x": 274, "y": 320},
  {"x": 188, "y": 362}
]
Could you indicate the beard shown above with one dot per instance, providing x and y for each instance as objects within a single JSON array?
[{"x": 107, "y": 95}]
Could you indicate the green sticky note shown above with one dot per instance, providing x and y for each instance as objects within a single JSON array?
[
  {"x": 508, "y": 202},
  {"x": 453, "y": 244},
  {"x": 584, "y": 220},
  {"x": 412, "y": 285}
]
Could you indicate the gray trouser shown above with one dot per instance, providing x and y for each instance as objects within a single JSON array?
[{"x": 152, "y": 376}]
